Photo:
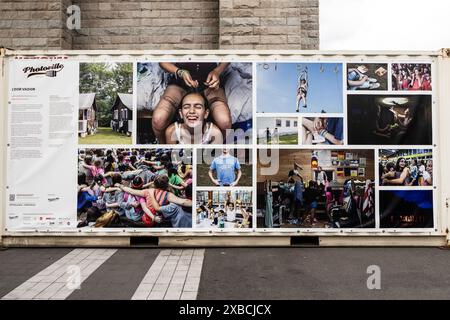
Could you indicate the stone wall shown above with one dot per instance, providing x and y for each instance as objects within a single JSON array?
[
  {"x": 34, "y": 25},
  {"x": 269, "y": 24},
  {"x": 158, "y": 24}
]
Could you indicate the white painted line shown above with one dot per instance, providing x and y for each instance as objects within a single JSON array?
[
  {"x": 53, "y": 283},
  {"x": 174, "y": 275}
]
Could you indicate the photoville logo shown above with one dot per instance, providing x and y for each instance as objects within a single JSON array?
[{"x": 49, "y": 71}]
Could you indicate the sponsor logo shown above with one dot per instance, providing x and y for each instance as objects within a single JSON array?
[{"x": 49, "y": 71}]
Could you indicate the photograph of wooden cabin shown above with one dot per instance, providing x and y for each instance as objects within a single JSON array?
[
  {"x": 122, "y": 114},
  {"x": 87, "y": 112},
  {"x": 105, "y": 103}
]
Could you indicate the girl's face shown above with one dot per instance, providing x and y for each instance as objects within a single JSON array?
[
  {"x": 402, "y": 163},
  {"x": 429, "y": 166},
  {"x": 193, "y": 110}
]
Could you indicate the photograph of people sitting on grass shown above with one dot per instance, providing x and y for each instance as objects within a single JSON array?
[
  {"x": 134, "y": 188},
  {"x": 278, "y": 130},
  {"x": 105, "y": 113}
]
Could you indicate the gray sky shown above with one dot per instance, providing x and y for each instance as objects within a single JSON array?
[{"x": 384, "y": 24}]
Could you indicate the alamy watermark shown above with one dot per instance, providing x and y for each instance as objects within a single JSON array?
[
  {"x": 374, "y": 280},
  {"x": 74, "y": 17},
  {"x": 74, "y": 278}
]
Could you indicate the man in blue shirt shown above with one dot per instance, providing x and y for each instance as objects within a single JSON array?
[{"x": 225, "y": 167}]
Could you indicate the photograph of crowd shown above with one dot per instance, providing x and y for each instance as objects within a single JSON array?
[
  {"x": 409, "y": 76},
  {"x": 224, "y": 167},
  {"x": 406, "y": 209},
  {"x": 322, "y": 130},
  {"x": 134, "y": 188},
  {"x": 278, "y": 130},
  {"x": 194, "y": 103},
  {"x": 317, "y": 189},
  {"x": 412, "y": 167},
  {"x": 370, "y": 76},
  {"x": 299, "y": 87},
  {"x": 224, "y": 209},
  {"x": 105, "y": 111},
  {"x": 389, "y": 119}
]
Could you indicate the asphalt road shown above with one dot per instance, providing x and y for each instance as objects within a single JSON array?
[{"x": 247, "y": 273}]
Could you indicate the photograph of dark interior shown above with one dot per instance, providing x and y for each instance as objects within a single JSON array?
[
  {"x": 389, "y": 120},
  {"x": 316, "y": 189},
  {"x": 406, "y": 209}
]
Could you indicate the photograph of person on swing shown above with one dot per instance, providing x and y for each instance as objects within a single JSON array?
[
  {"x": 389, "y": 119},
  {"x": 299, "y": 88}
]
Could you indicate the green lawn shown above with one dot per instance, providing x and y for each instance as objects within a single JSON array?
[
  {"x": 105, "y": 136},
  {"x": 203, "y": 179},
  {"x": 287, "y": 139}
]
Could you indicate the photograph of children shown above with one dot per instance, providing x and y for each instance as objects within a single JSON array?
[
  {"x": 224, "y": 167},
  {"x": 411, "y": 167},
  {"x": 224, "y": 209},
  {"x": 134, "y": 188},
  {"x": 409, "y": 76},
  {"x": 322, "y": 130},
  {"x": 389, "y": 120},
  {"x": 105, "y": 113},
  {"x": 299, "y": 87},
  {"x": 277, "y": 130},
  {"x": 406, "y": 209},
  {"x": 194, "y": 103},
  {"x": 370, "y": 76},
  {"x": 305, "y": 189}
]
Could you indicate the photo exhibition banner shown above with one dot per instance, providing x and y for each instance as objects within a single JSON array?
[{"x": 290, "y": 145}]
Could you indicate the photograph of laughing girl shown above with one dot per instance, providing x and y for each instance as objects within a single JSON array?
[
  {"x": 299, "y": 87},
  {"x": 194, "y": 103},
  {"x": 412, "y": 167},
  {"x": 413, "y": 77},
  {"x": 134, "y": 188},
  {"x": 389, "y": 119}
]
